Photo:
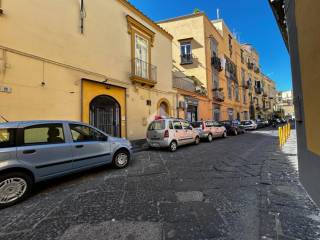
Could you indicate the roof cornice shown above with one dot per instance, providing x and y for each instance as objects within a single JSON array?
[{"x": 148, "y": 20}]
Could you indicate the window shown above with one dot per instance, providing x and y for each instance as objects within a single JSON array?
[
  {"x": 196, "y": 124},
  {"x": 242, "y": 56},
  {"x": 215, "y": 79},
  {"x": 7, "y": 138},
  {"x": 216, "y": 112},
  {"x": 157, "y": 125},
  {"x": 243, "y": 77},
  {"x": 209, "y": 124},
  {"x": 186, "y": 52},
  {"x": 43, "y": 134},
  {"x": 216, "y": 124},
  {"x": 236, "y": 88},
  {"x": 244, "y": 96},
  {"x": 177, "y": 125},
  {"x": 186, "y": 125},
  {"x": 229, "y": 88},
  {"x": 142, "y": 56},
  {"x": 214, "y": 47},
  {"x": 81, "y": 133},
  {"x": 230, "y": 114},
  {"x": 230, "y": 44}
]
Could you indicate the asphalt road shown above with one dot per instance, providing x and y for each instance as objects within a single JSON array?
[{"x": 242, "y": 187}]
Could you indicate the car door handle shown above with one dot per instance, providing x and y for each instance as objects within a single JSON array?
[
  {"x": 29, "y": 151},
  {"x": 79, "y": 146}
]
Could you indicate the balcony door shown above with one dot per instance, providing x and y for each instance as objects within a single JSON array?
[{"x": 142, "y": 56}]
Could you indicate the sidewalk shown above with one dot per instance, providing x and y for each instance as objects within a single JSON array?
[{"x": 287, "y": 211}]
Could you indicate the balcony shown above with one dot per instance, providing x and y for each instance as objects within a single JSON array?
[
  {"x": 186, "y": 59},
  {"x": 184, "y": 83},
  {"x": 256, "y": 69},
  {"x": 216, "y": 63},
  {"x": 247, "y": 84},
  {"x": 218, "y": 94},
  {"x": 143, "y": 72},
  {"x": 258, "y": 90},
  {"x": 250, "y": 65}
]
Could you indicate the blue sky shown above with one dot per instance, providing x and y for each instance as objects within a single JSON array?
[{"x": 252, "y": 20}]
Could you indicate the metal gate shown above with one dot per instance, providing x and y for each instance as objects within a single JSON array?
[{"x": 105, "y": 115}]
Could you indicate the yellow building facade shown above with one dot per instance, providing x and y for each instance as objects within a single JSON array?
[
  {"x": 103, "y": 63},
  {"x": 206, "y": 52}
]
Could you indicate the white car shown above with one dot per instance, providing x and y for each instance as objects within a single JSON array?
[
  {"x": 171, "y": 133},
  {"x": 249, "y": 125}
]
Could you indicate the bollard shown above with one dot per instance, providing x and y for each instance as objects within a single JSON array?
[{"x": 280, "y": 136}]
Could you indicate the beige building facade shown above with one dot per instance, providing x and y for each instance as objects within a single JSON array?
[
  {"x": 103, "y": 63},
  {"x": 207, "y": 56}
]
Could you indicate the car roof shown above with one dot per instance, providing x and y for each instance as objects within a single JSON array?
[{"x": 21, "y": 124}]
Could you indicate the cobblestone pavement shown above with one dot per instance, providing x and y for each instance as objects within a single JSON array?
[{"x": 241, "y": 187}]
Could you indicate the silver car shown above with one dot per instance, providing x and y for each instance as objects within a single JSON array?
[
  {"x": 171, "y": 133},
  {"x": 249, "y": 125},
  {"x": 210, "y": 129},
  {"x": 34, "y": 151}
]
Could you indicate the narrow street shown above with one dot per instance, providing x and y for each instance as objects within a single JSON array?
[{"x": 241, "y": 187}]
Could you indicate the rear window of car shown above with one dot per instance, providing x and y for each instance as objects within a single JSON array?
[
  {"x": 7, "y": 138},
  {"x": 157, "y": 125},
  {"x": 209, "y": 124},
  {"x": 246, "y": 122},
  {"x": 226, "y": 123},
  {"x": 196, "y": 124}
]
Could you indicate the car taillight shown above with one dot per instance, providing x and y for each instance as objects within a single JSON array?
[
  {"x": 166, "y": 134},
  {"x": 202, "y": 124}
]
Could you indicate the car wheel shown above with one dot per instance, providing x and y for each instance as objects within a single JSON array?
[
  {"x": 224, "y": 135},
  {"x": 121, "y": 159},
  {"x": 197, "y": 140},
  {"x": 173, "y": 146},
  {"x": 14, "y": 187},
  {"x": 210, "y": 138},
  {"x": 235, "y": 132}
]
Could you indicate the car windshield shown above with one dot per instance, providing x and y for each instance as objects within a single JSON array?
[
  {"x": 196, "y": 124},
  {"x": 225, "y": 122},
  {"x": 157, "y": 125},
  {"x": 246, "y": 122}
]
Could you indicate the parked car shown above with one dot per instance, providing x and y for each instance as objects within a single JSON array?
[
  {"x": 209, "y": 129},
  {"x": 233, "y": 127},
  {"x": 171, "y": 133},
  {"x": 249, "y": 125},
  {"x": 34, "y": 151},
  {"x": 260, "y": 123}
]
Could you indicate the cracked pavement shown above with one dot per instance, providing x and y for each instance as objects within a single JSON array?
[{"x": 242, "y": 187}]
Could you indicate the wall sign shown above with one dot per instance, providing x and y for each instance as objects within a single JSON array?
[{"x": 5, "y": 89}]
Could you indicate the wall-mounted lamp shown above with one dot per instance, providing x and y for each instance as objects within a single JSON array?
[{"x": 43, "y": 84}]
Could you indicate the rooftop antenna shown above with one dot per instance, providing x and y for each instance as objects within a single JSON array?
[{"x": 218, "y": 13}]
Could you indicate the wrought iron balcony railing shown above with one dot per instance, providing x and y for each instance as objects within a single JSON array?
[
  {"x": 259, "y": 90},
  {"x": 218, "y": 95},
  {"x": 186, "y": 59},
  {"x": 143, "y": 72},
  {"x": 216, "y": 63}
]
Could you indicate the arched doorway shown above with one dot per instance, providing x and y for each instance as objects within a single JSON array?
[
  {"x": 105, "y": 114},
  {"x": 164, "y": 109}
]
